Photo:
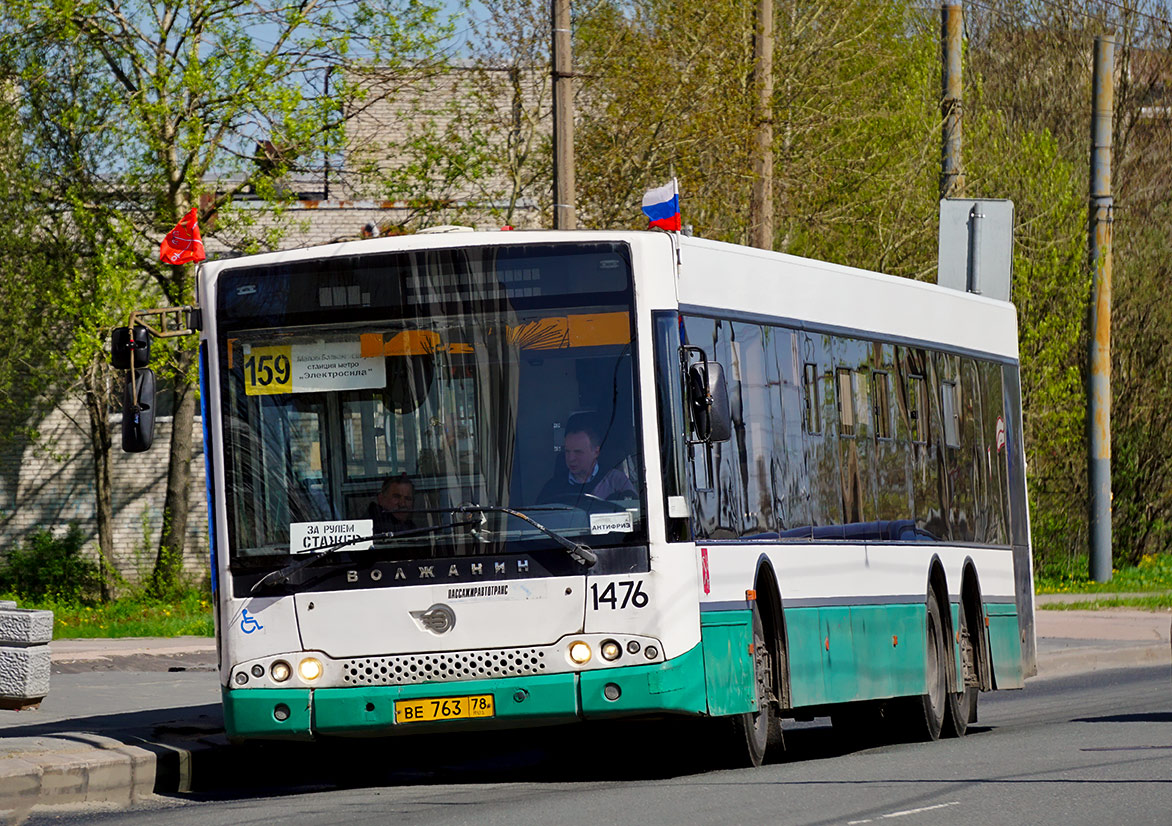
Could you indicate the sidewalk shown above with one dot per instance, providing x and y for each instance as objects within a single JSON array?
[{"x": 129, "y": 718}]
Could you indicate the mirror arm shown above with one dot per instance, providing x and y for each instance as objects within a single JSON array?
[{"x": 168, "y": 324}]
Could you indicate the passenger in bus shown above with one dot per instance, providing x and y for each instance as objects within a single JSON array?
[
  {"x": 583, "y": 474},
  {"x": 391, "y": 510}
]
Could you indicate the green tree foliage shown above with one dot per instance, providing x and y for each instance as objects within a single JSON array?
[
  {"x": 666, "y": 87},
  {"x": 1029, "y": 126},
  {"x": 171, "y": 100}
]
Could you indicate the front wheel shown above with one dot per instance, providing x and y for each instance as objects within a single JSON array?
[{"x": 740, "y": 741}]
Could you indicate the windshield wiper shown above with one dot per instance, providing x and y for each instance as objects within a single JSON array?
[
  {"x": 580, "y": 553},
  {"x": 281, "y": 575}
]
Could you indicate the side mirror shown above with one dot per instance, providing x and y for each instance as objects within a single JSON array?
[
  {"x": 708, "y": 393},
  {"x": 138, "y": 421},
  {"x": 124, "y": 346}
]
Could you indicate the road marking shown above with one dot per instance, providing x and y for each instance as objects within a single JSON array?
[{"x": 906, "y": 812}]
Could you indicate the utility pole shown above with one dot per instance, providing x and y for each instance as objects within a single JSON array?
[
  {"x": 761, "y": 199},
  {"x": 951, "y": 106},
  {"x": 1099, "y": 242},
  {"x": 564, "y": 215}
]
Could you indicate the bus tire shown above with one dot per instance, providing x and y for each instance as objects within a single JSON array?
[
  {"x": 923, "y": 716},
  {"x": 962, "y": 704},
  {"x": 741, "y": 740}
]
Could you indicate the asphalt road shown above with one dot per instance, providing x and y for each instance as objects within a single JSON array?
[{"x": 1089, "y": 749}]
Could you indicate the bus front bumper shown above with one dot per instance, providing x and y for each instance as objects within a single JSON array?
[{"x": 676, "y": 686}]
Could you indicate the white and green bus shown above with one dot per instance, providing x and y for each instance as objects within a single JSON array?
[{"x": 637, "y": 475}]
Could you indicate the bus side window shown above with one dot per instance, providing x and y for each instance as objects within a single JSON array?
[
  {"x": 846, "y": 402},
  {"x": 813, "y": 404},
  {"x": 881, "y": 404},
  {"x": 951, "y": 413},
  {"x": 918, "y": 409}
]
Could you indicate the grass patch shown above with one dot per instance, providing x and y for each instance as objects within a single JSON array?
[
  {"x": 1152, "y": 574},
  {"x": 132, "y": 616},
  {"x": 1152, "y": 602}
]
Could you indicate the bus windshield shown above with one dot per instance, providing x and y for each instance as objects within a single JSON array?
[{"x": 418, "y": 383}]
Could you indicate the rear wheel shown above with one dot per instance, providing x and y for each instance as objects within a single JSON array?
[
  {"x": 922, "y": 717},
  {"x": 962, "y": 705}
]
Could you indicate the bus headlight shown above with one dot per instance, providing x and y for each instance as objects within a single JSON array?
[
  {"x": 310, "y": 669},
  {"x": 610, "y": 650},
  {"x": 579, "y": 652},
  {"x": 280, "y": 671}
]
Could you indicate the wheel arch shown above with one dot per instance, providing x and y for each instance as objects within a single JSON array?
[
  {"x": 973, "y": 604},
  {"x": 938, "y": 590},
  {"x": 769, "y": 603}
]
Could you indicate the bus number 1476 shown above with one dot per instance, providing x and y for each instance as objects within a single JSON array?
[{"x": 627, "y": 592}]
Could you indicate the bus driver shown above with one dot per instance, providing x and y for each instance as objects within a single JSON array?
[
  {"x": 582, "y": 446},
  {"x": 391, "y": 510}
]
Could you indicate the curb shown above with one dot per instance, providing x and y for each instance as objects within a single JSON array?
[
  {"x": 1091, "y": 660},
  {"x": 71, "y": 769}
]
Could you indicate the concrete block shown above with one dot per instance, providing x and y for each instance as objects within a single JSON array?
[
  {"x": 25, "y": 626},
  {"x": 111, "y": 779},
  {"x": 20, "y": 783},
  {"x": 24, "y": 674},
  {"x": 64, "y": 779}
]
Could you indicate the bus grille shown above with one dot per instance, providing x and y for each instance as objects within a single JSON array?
[{"x": 408, "y": 669}]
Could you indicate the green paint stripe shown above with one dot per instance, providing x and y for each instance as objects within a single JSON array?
[
  {"x": 545, "y": 698},
  {"x": 1001, "y": 609},
  {"x": 727, "y": 675},
  {"x": 251, "y": 713},
  {"x": 844, "y": 653},
  {"x": 1005, "y": 648},
  {"x": 676, "y": 686}
]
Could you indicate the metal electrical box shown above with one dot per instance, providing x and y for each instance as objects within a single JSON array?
[{"x": 976, "y": 246}]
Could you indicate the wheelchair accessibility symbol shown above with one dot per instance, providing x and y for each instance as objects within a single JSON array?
[{"x": 248, "y": 623}]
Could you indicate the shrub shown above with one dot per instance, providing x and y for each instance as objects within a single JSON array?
[{"x": 49, "y": 567}]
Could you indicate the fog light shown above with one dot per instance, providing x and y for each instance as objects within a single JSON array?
[
  {"x": 280, "y": 671},
  {"x": 281, "y": 712},
  {"x": 241, "y": 678},
  {"x": 612, "y": 692},
  {"x": 310, "y": 669},
  {"x": 633, "y": 647},
  {"x": 258, "y": 670},
  {"x": 579, "y": 652},
  {"x": 610, "y": 650}
]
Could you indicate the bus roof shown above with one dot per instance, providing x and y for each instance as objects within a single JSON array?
[
  {"x": 729, "y": 280},
  {"x": 753, "y": 284}
]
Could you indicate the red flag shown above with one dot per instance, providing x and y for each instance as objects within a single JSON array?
[{"x": 183, "y": 243}]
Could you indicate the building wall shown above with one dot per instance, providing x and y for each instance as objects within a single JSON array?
[{"x": 49, "y": 484}]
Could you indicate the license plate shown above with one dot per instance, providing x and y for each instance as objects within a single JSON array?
[{"x": 444, "y": 708}]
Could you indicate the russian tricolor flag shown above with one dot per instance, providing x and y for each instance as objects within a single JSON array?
[{"x": 662, "y": 206}]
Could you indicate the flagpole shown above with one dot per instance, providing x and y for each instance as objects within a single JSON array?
[{"x": 675, "y": 235}]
